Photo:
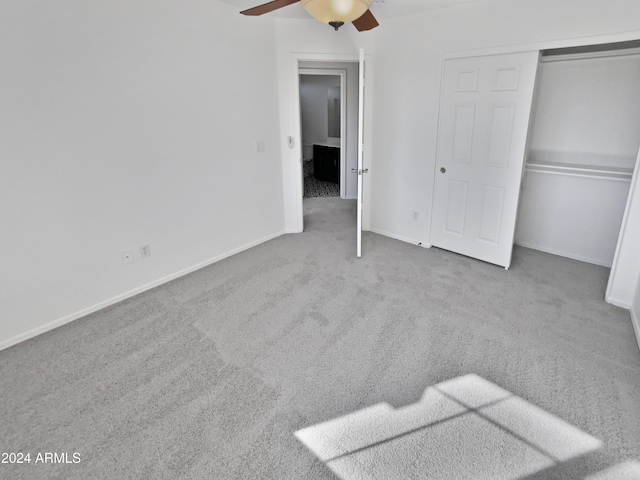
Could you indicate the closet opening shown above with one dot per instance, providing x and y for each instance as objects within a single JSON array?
[{"x": 583, "y": 145}]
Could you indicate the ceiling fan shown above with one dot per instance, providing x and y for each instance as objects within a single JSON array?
[{"x": 334, "y": 12}]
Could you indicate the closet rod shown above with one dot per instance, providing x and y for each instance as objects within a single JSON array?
[
  {"x": 588, "y": 55},
  {"x": 617, "y": 176}
]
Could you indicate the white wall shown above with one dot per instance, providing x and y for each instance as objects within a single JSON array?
[
  {"x": 127, "y": 122},
  {"x": 572, "y": 215},
  {"x": 588, "y": 111},
  {"x": 408, "y": 61}
]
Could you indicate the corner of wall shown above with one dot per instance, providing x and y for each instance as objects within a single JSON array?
[
  {"x": 635, "y": 321},
  {"x": 635, "y": 312}
]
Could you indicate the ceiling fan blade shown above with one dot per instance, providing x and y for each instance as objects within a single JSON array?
[
  {"x": 268, "y": 7},
  {"x": 366, "y": 22}
]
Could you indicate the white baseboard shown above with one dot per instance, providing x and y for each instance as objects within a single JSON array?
[
  {"x": 399, "y": 237},
  {"x": 617, "y": 302},
  {"x": 123, "y": 296},
  {"x": 572, "y": 256},
  {"x": 635, "y": 316},
  {"x": 635, "y": 321}
]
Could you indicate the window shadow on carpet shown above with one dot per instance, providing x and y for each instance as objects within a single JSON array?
[{"x": 466, "y": 427}]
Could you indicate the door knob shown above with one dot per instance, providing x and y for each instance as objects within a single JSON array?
[{"x": 442, "y": 169}]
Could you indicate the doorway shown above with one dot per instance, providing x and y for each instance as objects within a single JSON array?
[
  {"x": 360, "y": 64},
  {"x": 323, "y": 132},
  {"x": 329, "y": 141}
]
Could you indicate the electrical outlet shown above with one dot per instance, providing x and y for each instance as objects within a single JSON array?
[
  {"x": 145, "y": 251},
  {"x": 127, "y": 256},
  {"x": 261, "y": 146}
]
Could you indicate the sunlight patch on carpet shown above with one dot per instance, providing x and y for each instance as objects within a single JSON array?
[
  {"x": 629, "y": 470},
  {"x": 466, "y": 427}
]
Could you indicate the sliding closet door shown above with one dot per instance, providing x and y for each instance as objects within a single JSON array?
[{"x": 484, "y": 118}]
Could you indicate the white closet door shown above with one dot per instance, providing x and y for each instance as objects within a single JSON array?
[{"x": 484, "y": 119}]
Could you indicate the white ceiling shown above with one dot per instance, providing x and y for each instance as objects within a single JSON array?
[{"x": 382, "y": 9}]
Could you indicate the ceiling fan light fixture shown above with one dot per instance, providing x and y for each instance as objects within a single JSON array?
[{"x": 327, "y": 11}]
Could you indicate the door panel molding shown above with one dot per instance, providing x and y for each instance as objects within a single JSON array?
[
  {"x": 456, "y": 207},
  {"x": 500, "y": 135}
]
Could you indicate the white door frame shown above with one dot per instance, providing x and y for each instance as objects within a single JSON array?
[
  {"x": 294, "y": 192},
  {"x": 342, "y": 73},
  {"x": 360, "y": 166}
]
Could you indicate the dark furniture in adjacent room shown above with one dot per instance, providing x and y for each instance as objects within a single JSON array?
[{"x": 326, "y": 163}]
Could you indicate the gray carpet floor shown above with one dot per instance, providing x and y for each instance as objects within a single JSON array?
[{"x": 295, "y": 360}]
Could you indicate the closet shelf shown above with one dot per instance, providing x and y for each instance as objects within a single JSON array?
[{"x": 576, "y": 170}]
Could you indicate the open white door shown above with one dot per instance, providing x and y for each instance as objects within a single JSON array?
[
  {"x": 482, "y": 136},
  {"x": 360, "y": 170}
]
